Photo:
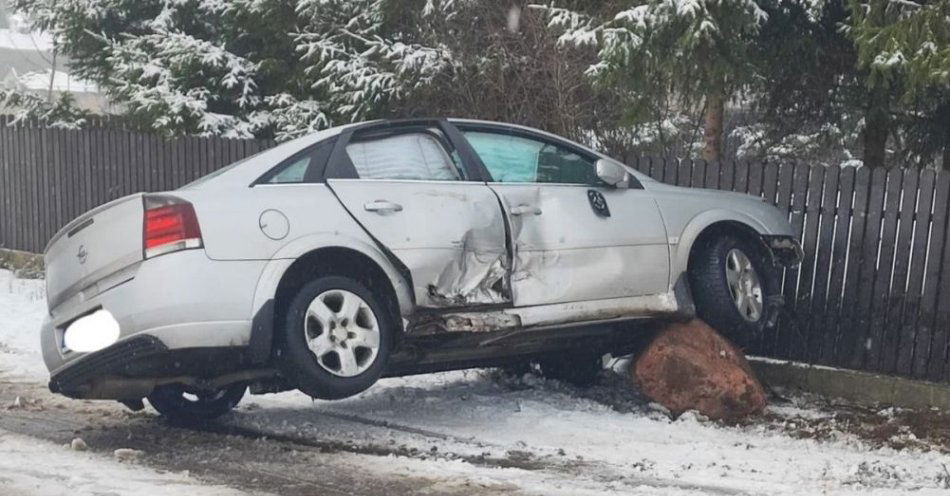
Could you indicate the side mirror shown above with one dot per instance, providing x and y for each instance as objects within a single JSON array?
[{"x": 613, "y": 173}]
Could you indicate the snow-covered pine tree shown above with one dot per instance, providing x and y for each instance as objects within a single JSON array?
[
  {"x": 667, "y": 56},
  {"x": 286, "y": 67},
  {"x": 364, "y": 54},
  {"x": 60, "y": 113},
  {"x": 806, "y": 100},
  {"x": 246, "y": 67},
  {"x": 905, "y": 48}
]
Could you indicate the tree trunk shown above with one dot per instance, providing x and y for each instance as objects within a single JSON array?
[
  {"x": 52, "y": 78},
  {"x": 712, "y": 130},
  {"x": 876, "y": 130}
]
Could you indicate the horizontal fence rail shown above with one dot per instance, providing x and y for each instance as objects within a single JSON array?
[{"x": 873, "y": 292}]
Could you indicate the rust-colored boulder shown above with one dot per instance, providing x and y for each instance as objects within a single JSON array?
[{"x": 691, "y": 367}]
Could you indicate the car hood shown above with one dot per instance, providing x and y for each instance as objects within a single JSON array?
[{"x": 765, "y": 216}]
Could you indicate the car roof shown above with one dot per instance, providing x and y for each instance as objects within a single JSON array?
[{"x": 247, "y": 170}]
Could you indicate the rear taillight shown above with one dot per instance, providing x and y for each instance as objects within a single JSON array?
[{"x": 170, "y": 224}]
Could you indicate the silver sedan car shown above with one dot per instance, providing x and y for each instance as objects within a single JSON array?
[{"x": 393, "y": 248}]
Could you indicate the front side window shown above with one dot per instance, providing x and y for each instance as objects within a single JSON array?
[
  {"x": 418, "y": 156},
  {"x": 516, "y": 159}
]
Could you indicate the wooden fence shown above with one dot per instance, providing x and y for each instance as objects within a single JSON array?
[{"x": 873, "y": 292}]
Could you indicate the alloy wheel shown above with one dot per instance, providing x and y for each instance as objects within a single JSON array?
[
  {"x": 744, "y": 285},
  {"x": 342, "y": 332}
]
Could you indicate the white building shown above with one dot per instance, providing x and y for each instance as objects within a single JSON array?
[{"x": 26, "y": 63}]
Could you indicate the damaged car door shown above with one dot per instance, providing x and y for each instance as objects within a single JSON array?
[
  {"x": 575, "y": 238},
  {"x": 412, "y": 191}
]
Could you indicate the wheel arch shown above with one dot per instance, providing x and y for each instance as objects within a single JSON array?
[
  {"x": 715, "y": 222},
  {"x": 710, "y": 300},
  {"x": 300, "y": 261}
]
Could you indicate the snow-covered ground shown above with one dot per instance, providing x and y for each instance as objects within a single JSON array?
[
  {"x": 22, "y": 307},
  {"x": 552, "y": 424},
  {"x": 529, "y": 434},
  {"x": 38, "y": 468}
]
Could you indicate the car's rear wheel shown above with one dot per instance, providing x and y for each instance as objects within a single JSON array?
[
  {"x": 732, "y": 283},
  {"x": 181, "y": 403},
  {"x": 336, "y": 338}
]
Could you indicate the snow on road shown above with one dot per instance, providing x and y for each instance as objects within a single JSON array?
[
  {"x": 29, "y": 467},
  {"x": 538, "y": 436}
]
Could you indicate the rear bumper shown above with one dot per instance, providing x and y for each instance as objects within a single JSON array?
[
  {"x": 176, "y": 302},
  {"x": 112, "y": 361},
  {"x": 130, "y": 369}
]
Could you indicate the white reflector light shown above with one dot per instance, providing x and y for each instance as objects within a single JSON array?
[{"x": 92, "y": 332}]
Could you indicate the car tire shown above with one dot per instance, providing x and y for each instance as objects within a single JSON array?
[
  {"x": 578, "y": 370},
  {"x": 179, "y": 403},
  {"x": 336, "y": 338},
  {"x": 732, "y": 283}
]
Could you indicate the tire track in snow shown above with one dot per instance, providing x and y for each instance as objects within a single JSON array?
[{"x": 526, "y": 459}]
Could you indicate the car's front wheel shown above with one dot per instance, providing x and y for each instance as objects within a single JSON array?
[
  {"x": 732, "y": 283},
  {"x": 180, "y": 403},
  {"x": 336, "y": 338}
]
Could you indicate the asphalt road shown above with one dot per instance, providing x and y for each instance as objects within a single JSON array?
[{"x": 238, "y": 457}]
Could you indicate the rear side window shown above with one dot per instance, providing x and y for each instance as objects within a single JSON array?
[
  {"x": 294, "y": 172},
  {"x": 304, "y": 167},
  {"x": 418, "y": 156}
]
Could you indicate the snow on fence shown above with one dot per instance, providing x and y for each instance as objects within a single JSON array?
[{"x": 871, "y": 293}]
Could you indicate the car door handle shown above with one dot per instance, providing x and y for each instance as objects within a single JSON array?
[
  {"x": 382, "y": 206},
  {"x": 524, "y": 210}
]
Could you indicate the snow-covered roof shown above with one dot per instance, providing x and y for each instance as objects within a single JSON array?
[
  {"x": 62, "y": 81},
  {"x": 16, "y": 40}
]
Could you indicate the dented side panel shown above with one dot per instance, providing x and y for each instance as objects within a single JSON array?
[
  {"x": 449, "y": 234},
  {"x": 564, "y": 251}
]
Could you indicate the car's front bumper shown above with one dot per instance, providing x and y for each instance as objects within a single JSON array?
[{"x": 786, "y": 250}]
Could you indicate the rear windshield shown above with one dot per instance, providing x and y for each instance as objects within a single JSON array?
[{"x": 218, "y": 172}]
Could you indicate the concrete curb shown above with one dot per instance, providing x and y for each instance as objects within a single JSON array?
[{"x": 859, "y": 387}]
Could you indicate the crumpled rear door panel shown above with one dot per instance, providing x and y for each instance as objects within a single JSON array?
[{"x": 449, "y": 234}]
